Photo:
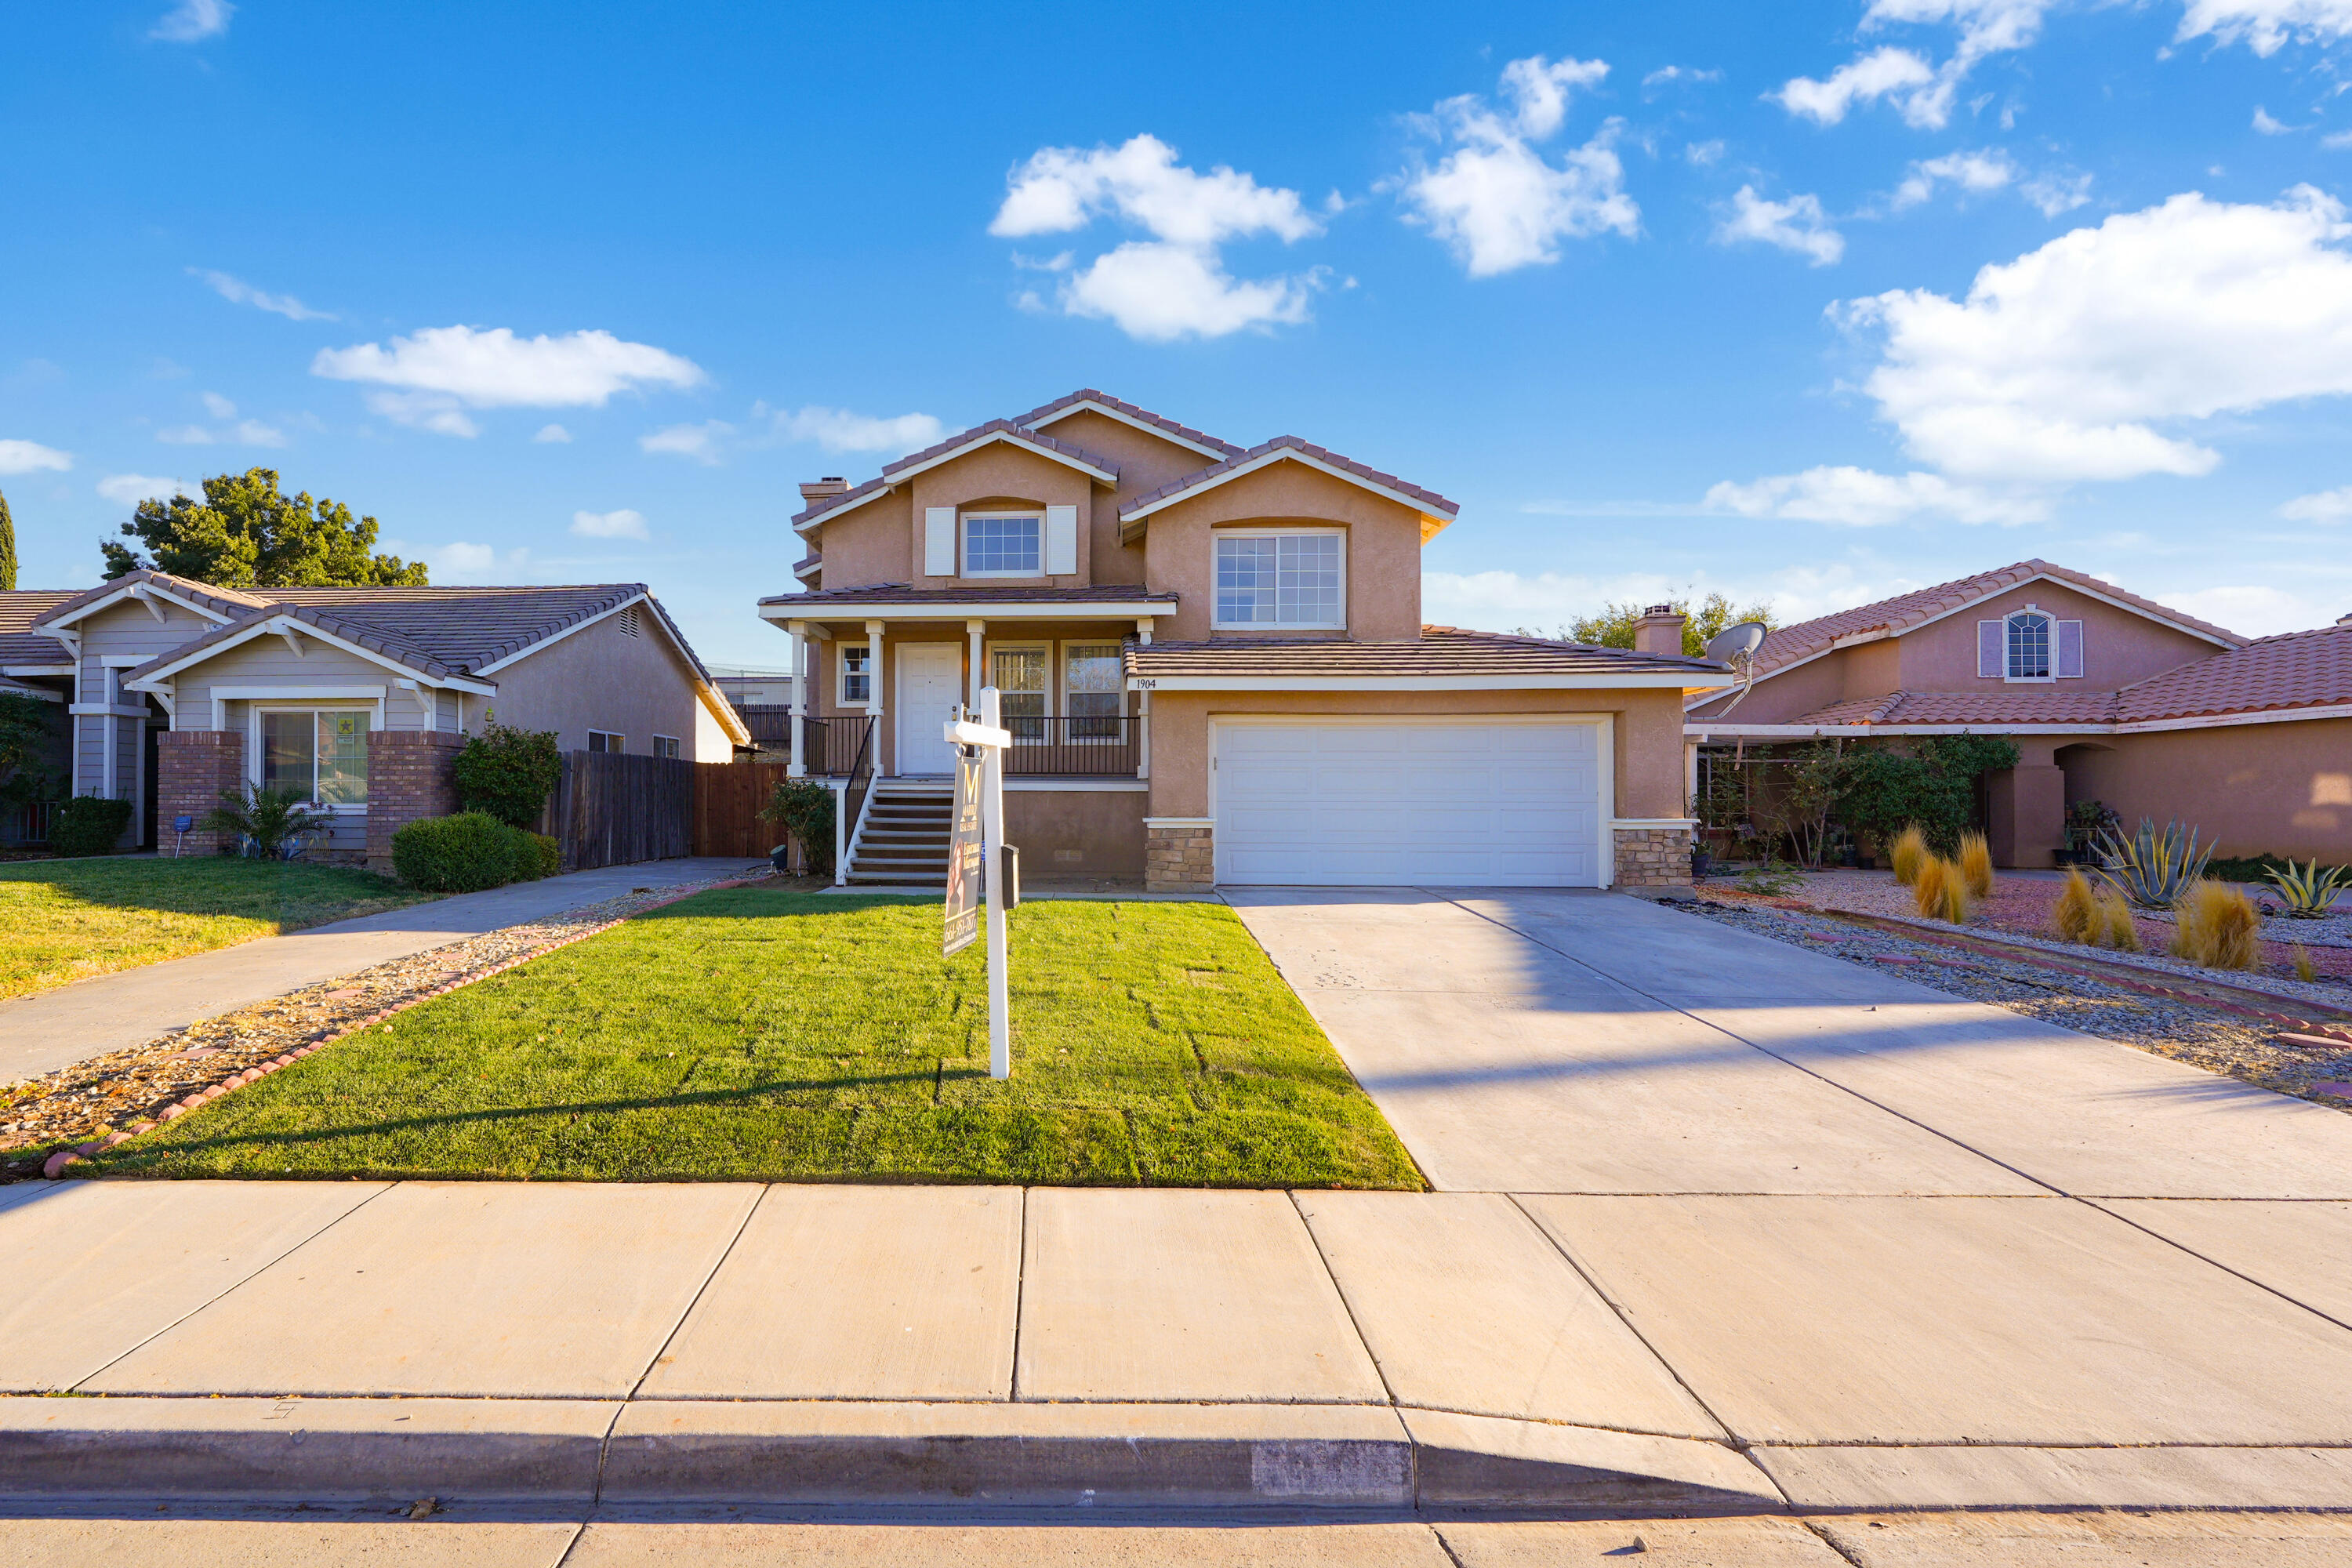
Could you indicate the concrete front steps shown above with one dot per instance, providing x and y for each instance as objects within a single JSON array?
[
  {"x": 903, "y": 838},
  {"x": 861, "y": 1454}
]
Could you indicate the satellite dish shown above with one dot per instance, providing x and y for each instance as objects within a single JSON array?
[{"x": 1736, "y": 646}]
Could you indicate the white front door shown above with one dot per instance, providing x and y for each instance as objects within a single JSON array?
[
  {"x": 930, "y": 683},
  {"x": 1389, "y": 802}
]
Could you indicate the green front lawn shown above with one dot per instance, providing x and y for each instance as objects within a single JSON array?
[
  {"x": 66, "y": 920},
  {"x": 748, "y": 1033}
]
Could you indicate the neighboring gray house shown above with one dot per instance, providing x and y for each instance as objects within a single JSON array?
[{"x": 359, "y": 697}]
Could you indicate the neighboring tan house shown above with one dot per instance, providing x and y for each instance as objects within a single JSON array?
[
  {"x": 1213, "y": 665},
  {"x": 2107, "y": 696},
  {"x": 358, "y": 697}
]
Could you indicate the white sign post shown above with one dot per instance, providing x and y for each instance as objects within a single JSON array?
[{"x": 991, "y": 738}]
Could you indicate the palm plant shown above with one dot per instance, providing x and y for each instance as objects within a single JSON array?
[
  {"x": 2153, "y": 868},
  {"x": 2309, "y": 892},
  {"x": 270, "y": 820}
]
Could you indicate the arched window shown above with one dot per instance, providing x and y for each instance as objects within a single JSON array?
[{"x": 2028, "y": 642}]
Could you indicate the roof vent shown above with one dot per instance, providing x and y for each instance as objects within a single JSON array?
[{"x": 628, "y": 619}]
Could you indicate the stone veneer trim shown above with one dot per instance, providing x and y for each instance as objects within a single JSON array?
[
  {"x": 1179, "y": 854},
  {"x": 1652, "y": 857}
]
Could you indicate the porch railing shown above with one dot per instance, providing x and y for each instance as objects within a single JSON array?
[
  {"x": 1063, "y": 745},
  {"x": 27, "y": 822}
]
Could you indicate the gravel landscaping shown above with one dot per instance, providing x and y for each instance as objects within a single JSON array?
[
  {"x": 2208, "y": 1035},
  {"x": 129, "y": 1088}
]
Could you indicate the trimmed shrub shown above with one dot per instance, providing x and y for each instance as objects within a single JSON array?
[
  {"x": 2218, "y": 927},
  {"x": 1976, "y": 865},
  {"x": 1907, "y": 855},
  {"x": 88, "y": 825},
  {"x": 507, "y": 773},
  {"x": 462, "y": 854},
  {"x": 550, "y": 853},
  {"x": 2076, "y": 917}
]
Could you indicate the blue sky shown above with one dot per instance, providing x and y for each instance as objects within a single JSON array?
[{"x": 1812, "y": 302}]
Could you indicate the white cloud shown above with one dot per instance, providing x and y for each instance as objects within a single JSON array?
[
  {"x": 254, "y": 433},
  {"x": 1498, "y": 601},
  {"x": 701, "y": 442},
  {"x": 436, "y": 411},
  {"x": 1188, "y": 214},
  {"x": 1858, "y": 498},
  {"x": 1495, "y": 200},
  {"x": 2265, "y": 25},
  {"x": 1974, "y": 172},
  {"x": 1796, "y": 225},
  {"x": 130, "y": 490},
  {"x": 1883, "y": 73},
  {"x": 441, "y": 368},
  {"x": 2057, "y": 193},
  {"x": 2337, "y": 140},
  {"x": 1703, "y": 155},
  {"x": 621, "y": 524},
  {"x": 185, "y": 436},
  {"x": 459, "y": 564},
  {"x": 1666, "y": 76},
  {"x": 2062, "y": 365},
  {"x": 2268, "y": 126},
  {"x": 2326, "y": 506},
  {"x": 553, "y": 433},
  {"x": 219, "y": 407},
  {"x": 2259, "y": 610},
  {"x": 192, "y": 20},
  {"x": 238, "y": 292},
  {"x": 839, "y": 430},
  {"x": 31, "y": 457}
]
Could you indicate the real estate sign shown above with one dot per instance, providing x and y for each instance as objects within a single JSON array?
[{"x": 964, "y": 859}]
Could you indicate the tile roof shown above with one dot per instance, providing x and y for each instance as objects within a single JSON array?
[
  {"x": 19, "y": 644},
  {"x": 2299, "y": 670},
  {"x": 1089, "y": 395},
  {"x": 1216, "y": 471},
  {"x": 902, "y": 593},
  {"x": 1982, "y": 710},
  {"x": 1789, "y": 644},
  {"x": 999, "y": 429},
  {"x": 226, "y": 601},
  {"x": 1439, "y": 651}
]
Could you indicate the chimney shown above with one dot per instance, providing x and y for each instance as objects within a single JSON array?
[
  {"x": 1660, "y": 630},
  {"x": 823, "y": 490},
  {"x": 2343, "y": 620}
]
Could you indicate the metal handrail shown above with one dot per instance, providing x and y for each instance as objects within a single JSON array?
[{"x": 853, "y": 805}]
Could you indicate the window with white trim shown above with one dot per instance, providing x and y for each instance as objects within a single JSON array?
[
  {"x": 1022, "y": 677},
  {"x": 605, "y": 740},
  {"x": 1096, "y": 683},
  {"x": 2027, "y": 641},
  {"x": 1002, "y": 546},
  {"x": 1294, "y": 578},
  {"x": 857, "y": 673},
  {"x": 319, "y": 753},
  {"x": 666, "y": 745}
]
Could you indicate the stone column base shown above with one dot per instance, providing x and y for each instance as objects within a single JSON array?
[
  {"x": 1652, "y": 857},
  {"x": 409, "y": 777},
  {"x": 192, "y": 769},
  {"x": 1179, "y": 854}
]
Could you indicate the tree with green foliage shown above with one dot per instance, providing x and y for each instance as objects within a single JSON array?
[
  {"x": 28, "y": 734},
  {"x": 1613, "y": 627},
  {"x": 7, "y": 549},
  {"x": 247, "y": 533},
  {"x": 508, "y": 773},
  {"x": 1932, "y": 786}
]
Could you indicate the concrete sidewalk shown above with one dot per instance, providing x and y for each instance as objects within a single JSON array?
[{"x": 50, "y": 1029}]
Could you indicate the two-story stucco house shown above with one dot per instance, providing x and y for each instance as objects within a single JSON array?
[
  {"x": 2107, "y": 696},
  {"x": 360, "y": 698},
  {"x": 1214, "y": 664}
]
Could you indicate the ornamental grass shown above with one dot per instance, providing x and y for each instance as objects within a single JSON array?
[
  {"x": 2116, "y": 911},
  {"x": 1941, "y": 891},
  {"x": 2076, "y": 916},
  {"x": 1976, "y": 865},
  {"x": 2217, "y": 927},
  {"x": 1908, "y": 854}
]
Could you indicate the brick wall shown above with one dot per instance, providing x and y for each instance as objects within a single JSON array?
[
  {"x": 1178, "y": 858},
  {"x": 193, "y": 767},
  {"x": 408, "y": 778},
  {"x": 1653, "y": 857}
]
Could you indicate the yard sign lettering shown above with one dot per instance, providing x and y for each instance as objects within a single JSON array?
[{"x": 964, "y": 857}]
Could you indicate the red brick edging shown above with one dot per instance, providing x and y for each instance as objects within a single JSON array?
[{"x": 54, "y": 1166}]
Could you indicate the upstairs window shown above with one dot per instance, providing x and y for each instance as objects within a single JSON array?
[
  {"x": 1293, "y": 579},
  {"x": 856, "y": 674},
  {"x": 1002, "y": 546},
  {"x": 2029, "y": 647}
]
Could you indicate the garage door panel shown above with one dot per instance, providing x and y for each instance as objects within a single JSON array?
[{"x": 1382, "y": 803}]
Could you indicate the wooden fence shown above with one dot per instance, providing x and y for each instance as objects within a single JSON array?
[
  {"x": 612, "y": 809},
  {"x": 727, "y": 797}
]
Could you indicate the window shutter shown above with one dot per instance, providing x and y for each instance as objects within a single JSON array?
[
  {"x": 2069, "y": 650},
  {"x": 1061, "y": 541},
  {"x": 1990, "y": 649},
  {"x": 938, "y": 542}
]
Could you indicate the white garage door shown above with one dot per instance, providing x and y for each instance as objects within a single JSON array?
[{"x": 1382, "y": 804}]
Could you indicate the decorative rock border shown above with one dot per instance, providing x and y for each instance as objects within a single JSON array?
[{"x": 54, "y": 1166}]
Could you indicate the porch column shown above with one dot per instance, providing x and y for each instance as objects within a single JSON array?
[
  {"x": 2025, "y": 807},
  {"x": 979, "y": 630},
  {"x": 1143, "y": 707},
  {"x": 874, "y": 692},
  {"x": 799, "y": 633}
]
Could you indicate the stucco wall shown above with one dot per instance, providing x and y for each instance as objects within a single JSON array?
[
  {"x": 1647, "y": 723},
  {"x": 870, "y": 545},
  {"x": 2281, "y": 788},
  {"x": 1383, "y": 552},
  {"x": 2119, "y": 646},
  {"x": 1076, "y": 833},
  {"x": 1145, "y": 463},
  {"x": 602, "y": 678}
]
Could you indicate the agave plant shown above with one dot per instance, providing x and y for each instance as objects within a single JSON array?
[
  {"x": 2152, "y": 869},
  {"x": 271, "y": 821},
  {"x": 2309, "y": 892}
]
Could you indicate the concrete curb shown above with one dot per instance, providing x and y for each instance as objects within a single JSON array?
[
  {"x": 796, "y": 1453},
  {"x": 54, "y": 1167}
]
